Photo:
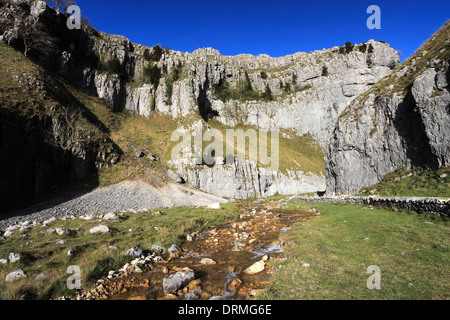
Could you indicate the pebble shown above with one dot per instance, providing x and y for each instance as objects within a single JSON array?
[{"x": 207, "y": 261}]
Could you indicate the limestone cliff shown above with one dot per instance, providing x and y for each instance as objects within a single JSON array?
[
  {"x": 302, "y": 92},
  {"x": 402, "y": 121},
  {"x": 309, "y": 89}
]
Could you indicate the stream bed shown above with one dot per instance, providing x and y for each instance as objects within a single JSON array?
[{"x": 219, "y": 258}]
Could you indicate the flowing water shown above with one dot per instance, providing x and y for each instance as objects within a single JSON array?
[{"x": 233, "y": 247}]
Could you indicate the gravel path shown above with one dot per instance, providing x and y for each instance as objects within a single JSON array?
[{"x": 125, "y": 196}]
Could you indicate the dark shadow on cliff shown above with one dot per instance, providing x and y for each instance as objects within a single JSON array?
[
  {"x": 410, "y": 127},
  {"x": 33, "y": 171},
  {"x": 204, "y": 105}
]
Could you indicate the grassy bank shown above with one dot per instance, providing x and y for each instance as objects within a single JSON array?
[
  {"x": 417, "y": 182},
  {"x": 40, "y": 253},
  {"x": 296, "y": 153},
  {"x": 411, "y": 250}
]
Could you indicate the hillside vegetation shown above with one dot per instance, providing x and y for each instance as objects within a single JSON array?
[{"x": 417, "y": 182}]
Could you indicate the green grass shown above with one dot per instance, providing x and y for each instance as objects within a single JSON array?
[
  {"x": 416, "y": 182},
  {"x": 297, "y": 154},
  {"x": 40, "y": 253},
  {"x": 133, "y": 133},
  {"x": 411, "y": 250}
]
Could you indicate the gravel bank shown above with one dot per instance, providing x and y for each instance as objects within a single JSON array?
[{"x": 125, "y": 196}]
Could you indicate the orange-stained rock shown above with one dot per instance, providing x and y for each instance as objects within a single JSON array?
[
  {"x": 138, "y": 298},
  {"x": 194, "y": 284},
  {"x": 234, "y": 285}
]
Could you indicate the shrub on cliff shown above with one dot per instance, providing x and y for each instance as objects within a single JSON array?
[
  {"x": 155, "y": 55},
  {"x": 174, "y": 76},
  {"x": 222, "y": 91},
  {"x": 152, "y": 74},
  {"x": 363, "y": 47},
  {"x": 267, "y": 95},
  {"x": 112, "y": 66},
  {"x": 348, "y": 47}
]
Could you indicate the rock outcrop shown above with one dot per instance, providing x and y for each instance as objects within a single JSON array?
[
  {"x": 244, "y": 179},
  {"x": 401, "y": 122}
]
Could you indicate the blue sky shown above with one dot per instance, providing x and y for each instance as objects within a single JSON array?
[{"x": 276, "y": 28}]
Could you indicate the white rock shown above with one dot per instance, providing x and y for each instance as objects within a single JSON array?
[
  {"x": 15, "y": 275},
  {"x": 61, "y": 231},
  {"x": 99, "y": 229},
  {"x": 135, "y": 252},
  {"x": 173, "y": 249},
  {"x": 49, "y": 220},
  {"x": 111, "y": 216},
  {"x": 215, "y": 206},
  {"x": 256, "y": 267},
  {"x": 14, "y": 257},
  {"x": 88, "y": 217},
  {"x": 12, "y": 228},
  {"x": 8, "y": 233}
]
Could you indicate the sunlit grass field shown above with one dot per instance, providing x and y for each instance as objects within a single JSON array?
[{"x": 411, "y": 250}]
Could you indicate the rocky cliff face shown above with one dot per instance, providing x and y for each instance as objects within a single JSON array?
[
  {"x": 311, "y": 107},
  {"x": 244, "y": 179},
  {"x": 309, "y": 90},
  {"x": 402, "y": 121},
  {"x": 322, "y": 83},
  {"x": 240, "y": 178}
]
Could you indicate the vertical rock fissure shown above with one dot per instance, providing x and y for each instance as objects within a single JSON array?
[{"x": 411, "y": 129}]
